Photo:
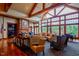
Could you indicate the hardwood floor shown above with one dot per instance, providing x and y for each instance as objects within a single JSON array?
[{"x": 9, "y": 49}]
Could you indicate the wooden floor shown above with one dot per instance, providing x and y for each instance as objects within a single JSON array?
[{"x": 9, "y": 49}]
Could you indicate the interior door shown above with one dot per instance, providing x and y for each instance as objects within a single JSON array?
[{"x": 11, "y": 30}]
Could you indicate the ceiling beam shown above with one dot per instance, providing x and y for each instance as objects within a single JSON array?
[
  {"x": 14, "y": 17},
  {"x": 61, "y": 10},
  {"x": 54, "y": 11},
  {"x": 50, "y": 14},
  {"x": 43, "y": 6},
  {"x": 1, "y": 7},
  {"x": 42, "y": 18},
  {"x": 5, "y": 6},
  {"x": 46, "y": 9},
  {"x": 9, "y": 16},
  {"x": 32, "y": 9}
]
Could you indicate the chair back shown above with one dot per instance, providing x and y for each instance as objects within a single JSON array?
[
  {"x": 36, "y": 39},
  {"x": 61, "y": 40},
  {"x": 42, "y": 41}
]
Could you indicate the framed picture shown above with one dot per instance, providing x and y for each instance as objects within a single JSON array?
[{"x": 24, "y": 24}]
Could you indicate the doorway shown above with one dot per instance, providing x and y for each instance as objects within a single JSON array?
[{"x": 11, "y": 30}]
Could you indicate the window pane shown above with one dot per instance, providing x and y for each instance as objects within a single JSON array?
[
  {"x": 55, "y": 23},
  {"x": 49, "y": 29},
  {"x": 55, "y": 29},
  {"x": 62, "y": 30},
  {"x": 44, "y": 21},
  {"x": 62, "y": 17},
  {"x": 72, "y": 16},
  {"x": 44, "y": 24},
  {"x": 55, "y": 19},
  {"x": 73, "y": 29},
  {"x": 62, "y": 22},
  {"x": 44, "y": 29},
  {"x": 36, "y": 30},
  {"x": 35, "y": 24},
  {"x": 71, "y": 21},
  {"x": 48, "y": 20},
  {"x": 40, "y": 28}
]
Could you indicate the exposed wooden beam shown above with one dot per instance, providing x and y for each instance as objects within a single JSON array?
[
  {"x": 50, "y": 14},
  {"x": 5, "y": 6},
  {"x": 44, "y": 15},
  {"x": 1, "y": 6},
  {"x": 10, "y": 16},
  {"x": 51, "y": 7},
  {"x": 8, "y": 6},
  {"x": 43, "y": 5},
  {"x": 61, "y": 10},
  {"x": 54, "y": 11},
  {"x": 34, "y": 6}
]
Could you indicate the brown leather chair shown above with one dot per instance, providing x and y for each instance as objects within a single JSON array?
[{"x": 37, "y": 44}]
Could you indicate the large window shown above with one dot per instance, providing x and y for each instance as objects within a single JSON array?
[
  {"x": 36, "y": 30},
  {"x": 44, "y": 25},
  {"x": 72, "y": 29},
  {"x": 55, "y": 19},
  {"x": 44, "y": 29},
  {"x": 55, "y": 23},
  {"x": 62, "y": 30},
  {"x": 64, "y": 24},
  {"x": 55, "y": 29},
  {"x": 72, "y": 16},
  {"x": 48, "y": 29},
  {"x": 72, "y": 21},
  {"x": 44, "y": 21}
]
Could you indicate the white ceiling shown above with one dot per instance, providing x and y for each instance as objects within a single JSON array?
[
  {"x": 22, "y": 7},
  {"x": 75, "y": 4},
  {"x": 16, "y": 13},
  {"x": 48, "y": 5}
]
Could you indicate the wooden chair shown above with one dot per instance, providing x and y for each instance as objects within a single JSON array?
[{"x": 37, "y": 44}]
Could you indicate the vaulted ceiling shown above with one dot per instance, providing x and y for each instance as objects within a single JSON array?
[{"x": 27, "y": 10}]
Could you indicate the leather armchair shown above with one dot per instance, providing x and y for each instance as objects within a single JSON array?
[
  {"x": 60, "y": 44},
  {"x": 37, "y": 44}
]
